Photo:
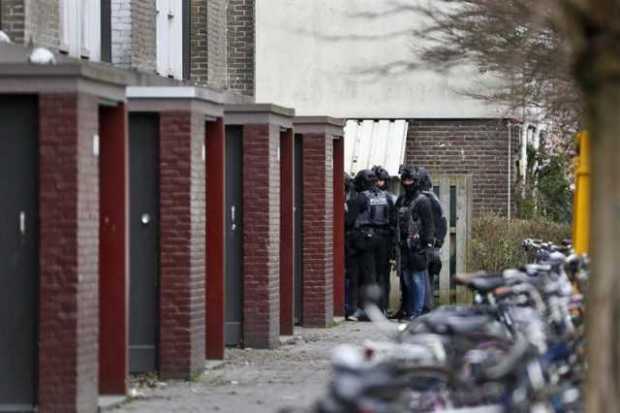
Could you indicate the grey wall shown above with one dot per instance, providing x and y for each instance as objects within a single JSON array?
[{"x": 322, "y": 57}]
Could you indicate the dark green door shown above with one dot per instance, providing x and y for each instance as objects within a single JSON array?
[
  {"x": 19, "y": 235},
  {"x": 144, "y": 242}
]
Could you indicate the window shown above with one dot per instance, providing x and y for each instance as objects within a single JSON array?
[{"x": 81, "y": 28}]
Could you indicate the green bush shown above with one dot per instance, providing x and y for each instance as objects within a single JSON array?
[{"x": 496, "y": 242}]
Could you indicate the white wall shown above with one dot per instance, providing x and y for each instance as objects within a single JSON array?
[{"x": 312, "y": 54}]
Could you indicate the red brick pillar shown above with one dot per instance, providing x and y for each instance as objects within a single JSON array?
[
  {"x": 261, "y": 219},
  {"x": 182, "y": 244},
  {"x": 287, "y": 232},
  {"x": 339, "y": 200},
  {"x": 318, "y": 220},
  {"x": 113, "y": 251},
  {"x": 69, "y": 245}
]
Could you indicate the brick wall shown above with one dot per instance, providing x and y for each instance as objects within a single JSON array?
[
  {"x": 475, "y": 146},
  {"x": 13, "y": 19},
  {"x": 261, "y": 238},
  {"x": 182, "y": 240},
  {"x": 69, "y": 230},
  {"x": 241, "y": 46},
  {"x": 217, "y": 43},
  {"x": 134, "y": 34},
  {"x": 43, "y": 22},
  {"x": 318, "y": 230},
  {"x": 36, "y": 21}
]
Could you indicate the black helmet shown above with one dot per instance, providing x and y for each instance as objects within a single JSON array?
[
  {"x": 364, "y": 180},
  {"x": 425, "y": 179},
  {"x": 382, "y": 174},
  {"x": 348, "y": 182},
  {"x": 408, "y": 172}
]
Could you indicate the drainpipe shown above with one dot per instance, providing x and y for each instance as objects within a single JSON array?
[{"x": 509, "y": 170}]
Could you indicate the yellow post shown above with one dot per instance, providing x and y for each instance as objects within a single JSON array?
[{"x": 582, "y": 210}]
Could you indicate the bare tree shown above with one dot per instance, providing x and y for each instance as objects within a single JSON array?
[{"x": 517, "y": 41}]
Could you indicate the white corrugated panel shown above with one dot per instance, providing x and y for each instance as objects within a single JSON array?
[
  {"x": 170, "y": 38},
  {"x": 369, "y": 143}
]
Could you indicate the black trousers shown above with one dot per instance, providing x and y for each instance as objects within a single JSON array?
[
  {"x": 382, "y": 251},
  {"x": 362, "y": 268}
]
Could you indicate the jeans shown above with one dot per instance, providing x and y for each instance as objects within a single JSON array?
[{"x": 416, "y": 291}]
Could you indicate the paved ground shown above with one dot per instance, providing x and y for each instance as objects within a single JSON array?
[{"x": 259, "y": 381}]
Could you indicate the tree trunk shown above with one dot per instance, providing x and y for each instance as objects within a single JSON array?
[
  {"x": 594, "y": 26},
  {"x": 603, "y": 323}
]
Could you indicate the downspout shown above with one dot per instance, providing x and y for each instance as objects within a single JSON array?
[{"x": 509, "y": 170}]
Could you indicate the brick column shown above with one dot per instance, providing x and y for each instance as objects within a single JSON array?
[
  {"x": 261, "y": 219},
  {"x": 182, "y": 244},
  {"x": 318, "y": 134},
  {"x": 69, "y": 244}
]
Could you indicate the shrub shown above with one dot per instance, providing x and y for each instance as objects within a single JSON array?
[{"x": 496, "y": 242}]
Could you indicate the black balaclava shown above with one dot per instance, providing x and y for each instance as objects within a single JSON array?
[
  {"x": 426, "y": 184},
  {"x": 410, "y": 173}
]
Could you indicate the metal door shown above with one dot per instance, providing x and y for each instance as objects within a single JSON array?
[
  {"x": 298, "y": 230},
  {"x": 144, "y": 242},
  {"x": 18, "y": 251},
  {"x": 234, "y": 236}
]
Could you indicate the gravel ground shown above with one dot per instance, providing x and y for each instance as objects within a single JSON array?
[{"x": 257, "y": 381}]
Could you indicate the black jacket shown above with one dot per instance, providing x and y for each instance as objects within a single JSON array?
[{"x": 416, "y": 259}]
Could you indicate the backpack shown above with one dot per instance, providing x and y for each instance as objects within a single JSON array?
[{"x": 441, "y": 223}]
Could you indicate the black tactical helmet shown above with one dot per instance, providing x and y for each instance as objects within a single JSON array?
[
  {"x": 364, "y": 180},
  {"x": 425, "y": 179},
  {"x": 382, "y": 174},
  {"x": 348, "y": 182},
  {"x": 408, "y": 172}
]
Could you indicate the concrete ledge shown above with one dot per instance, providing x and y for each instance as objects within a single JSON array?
[
  {"x": 108, "y": 403},
  {"x": 259, "y": 113},
  {"x": 324, "y": 125}
]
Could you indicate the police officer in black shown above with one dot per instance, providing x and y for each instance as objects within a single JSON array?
[
  {"x": 416, "y": 238},
  {"x": 351, "y": 209},
  {"x": 362, "y": 271},
  {"x": 441, "y": 230},
  {"x": 387, "y": 236}
]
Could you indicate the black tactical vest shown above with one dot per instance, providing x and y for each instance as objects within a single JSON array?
[{"x": 377, "y": 214}]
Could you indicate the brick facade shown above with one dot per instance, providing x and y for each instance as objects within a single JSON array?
[
  {"x": 261, "y": 217},
  {"x": 12, "y": 19},
  {"x": 241, "y": 46},
  {"x": 69, "y": 243},
  {"x": 43, "y": 22},
  {"x": 318, "y": 230},
  {"x": 209, "y": 47},
  {"x": 134, "y": 34},
  {"x": 32, "y": 21},
  {"x": 182, "y": 240},
  {"x": 472, "y": 146}
]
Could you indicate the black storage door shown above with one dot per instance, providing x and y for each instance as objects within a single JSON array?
[
  {"x": 299, "y": 199},
  {"x": 144, "y": 242},
  {"x": 18, "y": 251},
  {"x": 234, "y": 236}
]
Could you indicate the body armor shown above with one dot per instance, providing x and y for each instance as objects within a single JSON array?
[{"x": 377, "y": 214}]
